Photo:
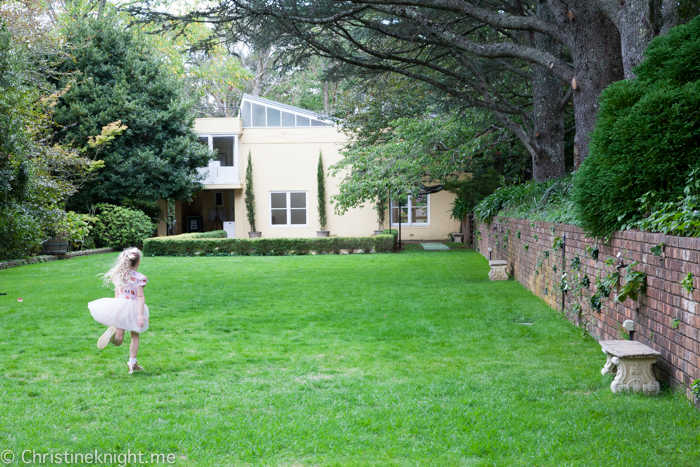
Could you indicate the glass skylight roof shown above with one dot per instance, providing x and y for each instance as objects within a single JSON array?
[{"x": 257, "y": 112}]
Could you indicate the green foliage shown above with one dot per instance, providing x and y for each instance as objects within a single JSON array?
[
  {"x": 470, "y": 191},
  {"x": 408, "y": 155},
  {"x": 212, "y": 234},
  {"x": 119, "y": 76},
  {"x": 695, "y": 389},
  {"x": 658, "y": 249},
  {"x": 681, "y": 217},
  {"x": 635, "y": 283},
  {"x": 675, "y": 323},
  {"x": 646, "y": 138},
  {"x": 75, "y": 228},
  {"x": 321, "y": 187},
  {"x": 250, "y": 194},
  {"x": 558, "y": 243},
  {"x": 687, "y": 283},
  {"x": 585, "y": 281},
  {"x": 181, "y": 245},
  {"x": 592, "y": 252},
  {"x": 547, "y": 201},
  {"x": 118, "y": 227},
  {"x": 576, "y": 263},
  {"x": 35, "y": 177}
]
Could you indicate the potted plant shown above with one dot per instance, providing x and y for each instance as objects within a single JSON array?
[
  {"x": 321, "y": 189},
  {"x": 250, "y": 199},
  {"x": 380, "y": 207},
  {"x": 460, "y": 211}
]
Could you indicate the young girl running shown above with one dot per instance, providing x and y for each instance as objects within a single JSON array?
[{"x": 127, "y": 311}]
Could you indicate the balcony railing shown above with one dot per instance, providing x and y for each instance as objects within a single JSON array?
[{"x": 216, "y": 174}]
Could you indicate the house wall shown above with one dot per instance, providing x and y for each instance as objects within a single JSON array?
[
  {"x": 654, "y": 313},
  {"x": 286, "y": 159}
]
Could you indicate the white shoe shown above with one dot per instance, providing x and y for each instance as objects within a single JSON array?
[{"x": 106, "y": 338}]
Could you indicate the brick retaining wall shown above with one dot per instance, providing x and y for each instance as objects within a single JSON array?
[{"x": 665, "y": 299}]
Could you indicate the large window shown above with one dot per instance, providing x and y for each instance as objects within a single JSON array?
[
  {"x": 259, "y": 115},
  {"x": 288, "y": 209},
  {"x": 223, "y": 146},
  {"x": 412, "y": 211}
]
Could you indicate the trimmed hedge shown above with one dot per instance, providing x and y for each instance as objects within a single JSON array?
[
  {"x": 213, "y": 234},
  {"x": 182, "y": 245}
]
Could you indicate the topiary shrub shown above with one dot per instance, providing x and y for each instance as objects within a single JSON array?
[
  {"x": 646, "y": 139},
  {"x": 118, "y": 227}
]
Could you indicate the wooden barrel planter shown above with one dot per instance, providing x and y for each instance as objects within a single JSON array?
[{"x": 55, "y": 246}]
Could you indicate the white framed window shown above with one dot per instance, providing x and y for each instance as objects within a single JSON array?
[
  {"x": 288, "y": 209},
  {"x": 224, "y": 146},
  {"x": 413, "y": 211}
]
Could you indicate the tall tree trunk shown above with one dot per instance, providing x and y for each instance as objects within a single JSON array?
[
  {"x": 595, "y": 46},
  {"x": 547, "y": 110},
  {"x": 101, "y": 8},
  {"x": 260, "y": 69},
  {"x": 637, "y": 23}
]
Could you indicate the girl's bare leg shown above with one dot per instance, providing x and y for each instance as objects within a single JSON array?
[
  {"x": 134, "y": 347},
  {"x": 118, "y": 337}
]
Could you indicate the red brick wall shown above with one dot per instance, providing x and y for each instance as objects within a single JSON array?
[{"x": 665, "y": 299}]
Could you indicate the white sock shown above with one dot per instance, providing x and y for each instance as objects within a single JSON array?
[{"x": 132, "y": 360}]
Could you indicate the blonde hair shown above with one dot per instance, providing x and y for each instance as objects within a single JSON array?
[{"x": 120, "y": 273}]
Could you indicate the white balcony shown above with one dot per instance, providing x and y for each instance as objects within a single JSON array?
[{"x": 216, "y": 175}]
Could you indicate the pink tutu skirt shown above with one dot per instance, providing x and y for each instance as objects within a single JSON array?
[{"x": 121, "y": 313}]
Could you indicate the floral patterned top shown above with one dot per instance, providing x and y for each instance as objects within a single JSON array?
[{"x": 129, "y": 292}]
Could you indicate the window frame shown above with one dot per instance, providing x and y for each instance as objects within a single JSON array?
[
  {"x": 288, "y": 208},
  {"x": 210, "y": 144},
  {"x": 410, "y": 207}
]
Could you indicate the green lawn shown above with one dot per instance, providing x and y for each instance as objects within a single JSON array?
[{"x": 393, "y": 359}]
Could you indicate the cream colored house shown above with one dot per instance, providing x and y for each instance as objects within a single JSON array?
[{"x": 284, "y": 144}]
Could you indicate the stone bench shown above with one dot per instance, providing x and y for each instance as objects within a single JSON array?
[
  {"x": 498, "y": 270},
  {"x": 631, "y": 362}
]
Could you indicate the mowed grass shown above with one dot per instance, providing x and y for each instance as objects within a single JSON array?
[{"x": 379, "y": 360}]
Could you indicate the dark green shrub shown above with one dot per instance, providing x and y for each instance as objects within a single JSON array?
[
  {"x": 121, "y": 227},
  {"x": 647, "y": 136},
  {"x": 21, "y": 233}
]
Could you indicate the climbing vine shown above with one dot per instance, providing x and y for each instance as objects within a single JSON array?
[{"x": 687, "y": 283}]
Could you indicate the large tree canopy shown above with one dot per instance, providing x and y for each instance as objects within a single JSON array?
[
  {"x": 117, "y": 77},
  {"x": 515, "y": 58},
  {"x": 407, "y": 143}
]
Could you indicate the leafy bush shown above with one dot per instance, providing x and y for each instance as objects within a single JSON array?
[
  {"x": 646, "y": 138},
  {"x": 187, "y": 245},
  {"x": 75, "y": 228},
  {"x": 675, "y": 218},
  {"x": 548, "y": 201},
  {"x": 121, "y": 227},
  {"x": 21, "y": 232}
]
